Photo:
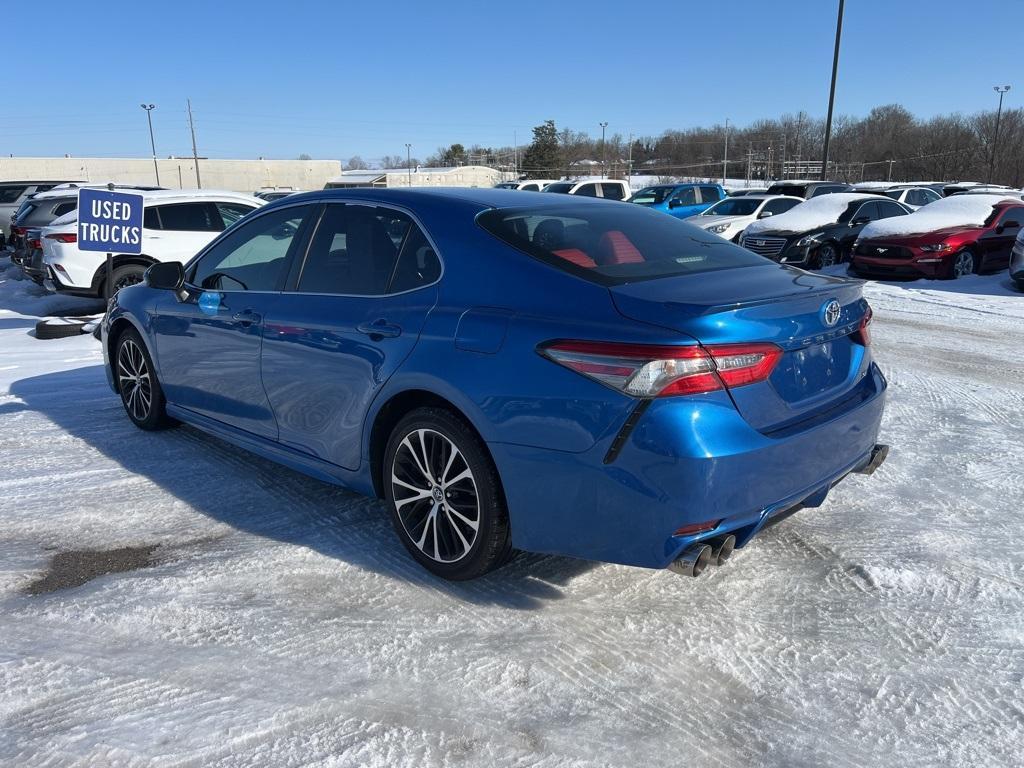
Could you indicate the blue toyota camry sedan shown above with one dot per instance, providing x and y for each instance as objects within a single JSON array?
[{"x": 538, "y": 372}]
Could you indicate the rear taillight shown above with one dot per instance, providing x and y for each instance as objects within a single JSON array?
[
  {"x": 863, "y": 334},
  {"x": 63, "y": 237},
  {"x": 19, "y": 231},
  {"x": 641, "y": 370},
  {"x": 33, "y": 244}
]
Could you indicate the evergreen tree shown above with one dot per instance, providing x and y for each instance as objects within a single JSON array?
[{"x": 542, "y": 159}]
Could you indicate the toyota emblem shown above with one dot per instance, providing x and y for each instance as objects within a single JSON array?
[{"x": 830, "y": 312}]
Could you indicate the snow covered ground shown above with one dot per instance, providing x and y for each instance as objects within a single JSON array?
[{"x": 263, "y": 618}]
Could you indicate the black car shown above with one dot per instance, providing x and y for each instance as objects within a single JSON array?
[
  {"x": 790, "y": 241},
  {"x": 807, "y": 189},
  {"x": 37, "y": 212}
]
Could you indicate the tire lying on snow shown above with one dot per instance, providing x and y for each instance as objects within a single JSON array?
[{"x": 60, "y": 327}]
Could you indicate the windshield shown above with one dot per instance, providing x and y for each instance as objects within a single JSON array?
[
  {"x": 652, "y": 195},
  {"x": 612, "y": 247},
  {"x": 736, "y": 206},
  {"x": 562, "y": 186}
]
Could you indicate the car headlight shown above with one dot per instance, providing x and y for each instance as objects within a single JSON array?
[
  {"x": 814, "y": 239},
  {"x": 936, "y": 247},
  {"x": 718, "y": 228}
]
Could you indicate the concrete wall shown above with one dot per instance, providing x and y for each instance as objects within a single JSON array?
[{"x": 238, "y": 175}]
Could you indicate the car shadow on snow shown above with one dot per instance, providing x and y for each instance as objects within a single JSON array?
[
  {"x": 988, "y": 284},
  {"x": 260, "y": 497}
]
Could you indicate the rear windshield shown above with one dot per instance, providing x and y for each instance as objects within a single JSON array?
[
  {"x": 796, "y": 190},
  {"x": 612, "y": 245}
]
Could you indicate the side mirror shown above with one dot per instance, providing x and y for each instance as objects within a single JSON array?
[
  {"x": 1011, "y": 224},
  {"x": 860, "y": 220},
  {"x": 765, "y": 214},
  {"x": 674, "y": 203},
  {"x": 167, "y": 276}
]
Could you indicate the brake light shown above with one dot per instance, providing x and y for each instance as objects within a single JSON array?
[
  {"x": 63, "y": 237},
  {"x": 642, "y": 370},
  {"x": 863, "y": 333},
  {"x": 32, "y": 244},
  {"x": 19, "y": 231}
]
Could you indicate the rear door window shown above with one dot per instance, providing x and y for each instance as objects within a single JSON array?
[
  {"x": 62, "y": 208},
  {"x": 612, "y": 247},
  {"x": 354, "y": 251},
  {"x": 151, "y": 218},
  {"x": 686, "y": 196},
  {"x": 710, "y": 194},
  {"x": 232, "y": 212},
  {"x": 587, "y": 190},
  {"x": 190, "y": 217},
  {"x": 612, "y": 191}
]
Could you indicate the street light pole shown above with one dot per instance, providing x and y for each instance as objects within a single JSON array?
[
  {"x": 832, "y": 92},
  {"x": 604, "y": 152},
  {"x": 152, "y": 143},
  {"x": 408, "y": 161},
  {"x": 995, "y": 142}
]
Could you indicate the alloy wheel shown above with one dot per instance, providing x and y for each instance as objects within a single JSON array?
[
  {"x": 435, "y": 495},
  {"x": 134, "y": 380},
  {"x": 124, "y": 282},
  {"x": 964, "y": 264},
  {"x": 827, "y": 256}
]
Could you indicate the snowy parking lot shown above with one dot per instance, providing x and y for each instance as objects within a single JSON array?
[{"x": 257, "y": 616}]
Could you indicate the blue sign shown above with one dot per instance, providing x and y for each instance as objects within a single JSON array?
[{"x": 109, "y": 221}]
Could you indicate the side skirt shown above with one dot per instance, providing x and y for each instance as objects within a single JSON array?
[{"x": 324, "y": 471}]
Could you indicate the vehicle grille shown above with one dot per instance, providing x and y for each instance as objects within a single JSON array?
[
  {"x": 764, "y": 246},
  {"x": 884, "y": 251}
]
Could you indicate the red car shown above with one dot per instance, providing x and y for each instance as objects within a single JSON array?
[{"x": 947, "y": 253}]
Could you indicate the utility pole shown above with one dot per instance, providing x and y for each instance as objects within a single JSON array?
[
  {"x": 995, "y": 142},
  {"x": 782, "y": 165},
  {"x": 629, "y": 166},
  {"x": 604, "y": 152},
  {"x": 889, "y": 177},
  {"x": 750, "y": 157},
  {"x": 408, "y": 161},
  {"x": 725, "y": 153},
  {"x": 515, "y": 155},
  {"x": 152, "y": 144},
  {"x": 832, "y": 92},
  {"x": 195, "y": 154}
]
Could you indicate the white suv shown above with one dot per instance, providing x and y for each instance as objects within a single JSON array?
[
  {"x": 176, "y": 225},
  {"x": 610, "y": 189}
]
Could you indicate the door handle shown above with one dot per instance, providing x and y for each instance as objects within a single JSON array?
[
  {"x": 246, "y": 317},
  {"x": 380, "y": 329}
]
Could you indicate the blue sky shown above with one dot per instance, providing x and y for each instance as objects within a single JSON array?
[{"x": 334, "y": 79}]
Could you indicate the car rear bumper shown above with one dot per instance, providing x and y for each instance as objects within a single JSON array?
[
  {"x": 687, "y": 461},
  {"x": 52, "y": 281}
]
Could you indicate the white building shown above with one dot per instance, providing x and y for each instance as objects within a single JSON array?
[{"x": 460, "y": 176}]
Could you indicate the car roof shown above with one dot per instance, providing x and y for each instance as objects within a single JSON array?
[{"x": 481, "y": 197}]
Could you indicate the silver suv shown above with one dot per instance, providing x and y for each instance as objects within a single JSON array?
[{"x": 14, "y": 193}]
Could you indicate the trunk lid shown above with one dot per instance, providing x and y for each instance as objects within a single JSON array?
[{"x": 821, "y": 364}]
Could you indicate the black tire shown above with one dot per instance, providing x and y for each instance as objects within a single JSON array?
[
  {"x": 52, "y": 328},
  {"x": 123, "y": 276},
  {"x": 441, "y": 512},
  {"x": 144, "y": 403},
  {"x": 958, "y": 265}
]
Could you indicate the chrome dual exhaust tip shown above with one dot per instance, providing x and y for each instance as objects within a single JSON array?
[
  {"x": 696, "y": 557},
  {"x": 692, "y": 562}
]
